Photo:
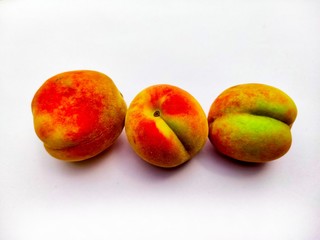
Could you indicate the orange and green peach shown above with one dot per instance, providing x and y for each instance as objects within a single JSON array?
[
  {"x": 252, "y": 122},
  {"x": 78, "y": 114},
  {"x": 166, "y": 126}
]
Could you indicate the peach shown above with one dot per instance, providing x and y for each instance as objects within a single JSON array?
[
  {"x": 166, "y": 126},
  {"x": 78, "y": 114},
  {"x": 252, "y": 122}
]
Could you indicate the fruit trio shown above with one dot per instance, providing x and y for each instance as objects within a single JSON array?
[{"x": 79, "y": 114}]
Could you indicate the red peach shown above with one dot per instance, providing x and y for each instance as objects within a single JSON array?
[
  {"x": 165, "y": 125},
  {"x": 78, "y": 114}
]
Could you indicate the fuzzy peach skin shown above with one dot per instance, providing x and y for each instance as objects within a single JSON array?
[
  {"x": 78, "y": 114},
  {"x": 251, "y": 122},
  {"x": 166, "y": 126}
]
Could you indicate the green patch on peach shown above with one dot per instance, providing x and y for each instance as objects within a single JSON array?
[{"x": 250, "y": 138}]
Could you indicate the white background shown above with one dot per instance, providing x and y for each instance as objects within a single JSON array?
[{"x": 201, "y": 46}]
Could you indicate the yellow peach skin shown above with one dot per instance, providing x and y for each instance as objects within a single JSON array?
[
  {"x": 252, "y": 122},
  {"x": 78, "y": 114},
  {"x": 166, "y": 126}
]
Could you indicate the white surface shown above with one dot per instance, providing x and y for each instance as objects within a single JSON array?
[{"x": 201, "y": 46}]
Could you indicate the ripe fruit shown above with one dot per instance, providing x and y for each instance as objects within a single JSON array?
[
  {"x": 78, "y": 114},
  {"x": 165, "y": 125},
  {"x": 251, "y": 122}
]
